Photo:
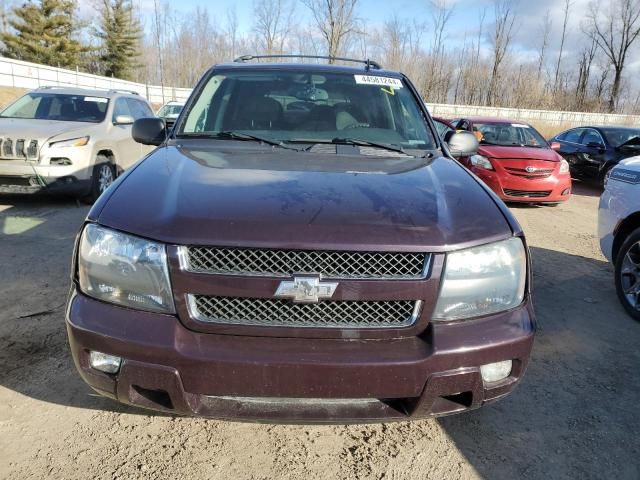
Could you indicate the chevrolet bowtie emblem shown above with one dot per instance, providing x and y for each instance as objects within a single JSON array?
[{"x": 306, "y": 289}]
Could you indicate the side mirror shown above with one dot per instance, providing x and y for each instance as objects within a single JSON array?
[
  {"x": 149, "y": 131},
  {"x": 555, "y": 146},
  {"x": 123, "y": 120},
  {"x": 463, "y": 144}
]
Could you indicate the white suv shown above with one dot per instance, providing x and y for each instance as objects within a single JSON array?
[
  {"x": 619, "y": 230},
  {"x": 69, "y": 140}
]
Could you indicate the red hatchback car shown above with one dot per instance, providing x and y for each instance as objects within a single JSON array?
[{"x": 516, "y": 162}]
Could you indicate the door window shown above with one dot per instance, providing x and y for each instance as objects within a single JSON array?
[
  {"x": 573, "y": 136},
  {"x": 139, "y": 109},
  {"x": 591, "y": 136},
  {"x": 121, "y": 108}
]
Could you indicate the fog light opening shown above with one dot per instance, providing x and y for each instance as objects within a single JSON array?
[
  {"x": 494, "y": 372},
  {"x": 566, "y": 191},
  {"x": 104, "y": 363}
]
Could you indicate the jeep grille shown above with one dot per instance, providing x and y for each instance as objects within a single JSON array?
[
  {"x": 283, "y": 313},
  {"x": 18, "y": 149},
  {"x": 285, "y": 263}
]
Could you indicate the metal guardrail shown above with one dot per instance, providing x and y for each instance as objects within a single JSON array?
[{"x": 16, "y": 73}]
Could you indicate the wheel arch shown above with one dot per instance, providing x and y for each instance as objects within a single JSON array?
[{"x": 622, "y": 231}]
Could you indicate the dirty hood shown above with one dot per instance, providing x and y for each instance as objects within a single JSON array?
[
  {"x": 232, "y": 194},
  {"x": 41, "y": 130}
]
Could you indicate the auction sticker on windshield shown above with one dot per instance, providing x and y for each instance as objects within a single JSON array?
[
  {"x": 95, "y": 99},
  {"x": 379, "y": 81}
]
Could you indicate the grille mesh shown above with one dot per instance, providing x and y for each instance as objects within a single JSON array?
[
  {"x": 523, "y": 193},
  {"x": 285, "y": 263},
  {"x": 283, "y": 313}
]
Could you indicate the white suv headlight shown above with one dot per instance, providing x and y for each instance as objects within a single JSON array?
[
  {"x": 125, "y": 270},
  {"x": 482, "y": 280},
  {"x": 72, "y": 142}
]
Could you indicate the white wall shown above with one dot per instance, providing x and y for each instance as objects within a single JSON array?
[
  {"x": 15, "y": 73},
  {"x": 548, "y": 117}
]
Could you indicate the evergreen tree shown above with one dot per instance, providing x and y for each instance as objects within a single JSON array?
[
  {"x": 43, "y": 32},
  {"x": 120, "y": 33}
]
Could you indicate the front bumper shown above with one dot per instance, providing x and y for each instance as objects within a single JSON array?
[
  {"x": 504, "y": 185},
  {"x": 19, "y": 176},
  {"x": 30, "y": 184},
  {"x": 296, "y": 380}
]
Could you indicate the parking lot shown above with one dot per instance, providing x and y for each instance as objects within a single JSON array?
[{"x": 574, "y": 416}]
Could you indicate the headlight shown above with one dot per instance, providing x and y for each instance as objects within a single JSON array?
[
  {"x": 72, "y": 142},
  {"x": 125, "y": 270},
  {"x": 482, "y": 280},
  {"x": 481, "y": 161},
  {"x": 564, "y": 166}
]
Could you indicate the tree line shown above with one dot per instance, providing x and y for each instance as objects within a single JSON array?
[{"x": 482, "y": 68}]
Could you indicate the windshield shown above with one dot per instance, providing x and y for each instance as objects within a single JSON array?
[
  {"x": 170, "y": 111},
  {"x": 56, "y": 106},
  {"x": 315, "y": 108},
  {"x": 509, "y": 134},
  {"x": 620, "y": 136}
]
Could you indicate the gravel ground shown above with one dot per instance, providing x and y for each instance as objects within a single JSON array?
[{"x": 574, "y": 416}]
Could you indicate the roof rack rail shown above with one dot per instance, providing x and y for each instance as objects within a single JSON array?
[
  {"x": 122, "y": 90},
  {"x": 368, "y": 63}
]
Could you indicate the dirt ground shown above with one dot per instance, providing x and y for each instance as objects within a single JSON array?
[{"x": 574, "y": 416}]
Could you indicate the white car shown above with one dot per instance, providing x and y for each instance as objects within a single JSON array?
[
  {"x": 69, "y": 140},
  {"x": 170, "y": 111},
  {"x": 619, "y": 230}
]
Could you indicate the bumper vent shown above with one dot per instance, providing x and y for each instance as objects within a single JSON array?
[
  {"x": 529, "y": 194},
  {"x": 285, "y": 263},
  {"x": 283, "y": 313}
]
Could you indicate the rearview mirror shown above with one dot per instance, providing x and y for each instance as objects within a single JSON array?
[
  {"x": 149, "y": 131},
  {"x": 463, "y": 144},
  {"x": 555, "y": 146},
  {"x": 123, "y": 120}
]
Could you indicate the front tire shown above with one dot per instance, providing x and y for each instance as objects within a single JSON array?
[
  {"x": 102, "y": 178},
  {"x": 628, "y": 274}
]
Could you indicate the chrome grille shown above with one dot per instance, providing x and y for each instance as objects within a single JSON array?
[
  {"x": 7, "y": 148},
  {"x": 283, "y": 313},
  {"x": 32, "y": 150},
  {"x": 521, "y": 172},
  {"x": 285, "y": 263},
  {"x": 20, "y": 153},
  {"x": 18, "y": 149}
]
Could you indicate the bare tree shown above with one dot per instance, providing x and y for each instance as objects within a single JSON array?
[
  {"x": 584, "y": 70},
  {"x": 547, "y": 24},
  {"x": 567, "y": 7},
  {"x": 336, "y": 21},
  {"x": 500, "y": 40},
  {"x": 615, "y": 31},
  {"x": 272, "y": 24}
]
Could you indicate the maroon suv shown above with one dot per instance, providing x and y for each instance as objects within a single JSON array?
[{"x": 301, "y": 247}]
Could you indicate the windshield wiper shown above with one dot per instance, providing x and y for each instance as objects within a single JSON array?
[
  {"x": 356, "y": 142},
  {"x": 231, "y": 135}
]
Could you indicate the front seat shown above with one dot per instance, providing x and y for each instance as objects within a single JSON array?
[{"x": 265, "y": 114}]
